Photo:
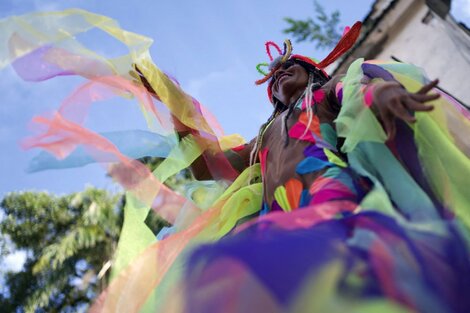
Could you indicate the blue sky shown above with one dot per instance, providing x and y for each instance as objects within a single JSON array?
[{"x": 211, "y": 47}]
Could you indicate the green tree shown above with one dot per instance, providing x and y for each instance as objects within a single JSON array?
[
  {"x": 69, "y": 243},
  {"x": 324, "y": 30},
  {"x": 68, "y": 240}
]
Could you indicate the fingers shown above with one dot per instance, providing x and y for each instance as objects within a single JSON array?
[
  {"x": 388, "y": 121},
  {"x": 399, "y": 103},
  {"x": 425, "y": 98},
  {"x": 417, "y": 106},
  {"x": 428, "y": 87},
  {"x": 137, "y": 73},
  {"x": 401, "y": 111},
  {"x": 137, "y": 69},
  {"x": 139, "y": 78}
]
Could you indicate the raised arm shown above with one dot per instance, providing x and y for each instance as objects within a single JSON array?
[{"x": 238, "y": 157}]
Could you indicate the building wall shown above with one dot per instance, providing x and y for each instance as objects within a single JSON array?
[
  {"x": 439, "y": 46},
  {"x": 411, "y": 32}
]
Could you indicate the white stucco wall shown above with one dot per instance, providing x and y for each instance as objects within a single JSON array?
[{"x": 438, "y": 46}]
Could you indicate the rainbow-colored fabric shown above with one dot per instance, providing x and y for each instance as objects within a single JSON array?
[{"x": 384, "y": 228}]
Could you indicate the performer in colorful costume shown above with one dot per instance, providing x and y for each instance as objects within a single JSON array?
[{"x": 335, "y": 217}]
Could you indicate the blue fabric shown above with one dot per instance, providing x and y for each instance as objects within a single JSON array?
[
  {"x": 311, "y": 164},
  {"x": 132, "y": 143}
]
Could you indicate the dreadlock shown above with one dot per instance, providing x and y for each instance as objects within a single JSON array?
[
  {"x": 278, "y": 109},
  {"x": 285, "y": 128},
  {"x": 316, "y": 79}
]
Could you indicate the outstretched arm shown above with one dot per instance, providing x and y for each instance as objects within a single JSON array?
[
  {"x": 238, "y": 157},
  {"x": 389, "y": 100}
]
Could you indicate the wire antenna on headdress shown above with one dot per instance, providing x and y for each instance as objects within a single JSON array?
[
  {"x": 268, "y": 51},
  {"x": 346, "y": 42},
  {"x": 275, "y": 62}
]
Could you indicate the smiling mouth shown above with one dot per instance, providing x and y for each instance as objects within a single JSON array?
[{"x": 278, "y": 81}]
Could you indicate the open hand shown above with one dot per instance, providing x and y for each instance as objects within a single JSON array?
[{"x": 392, "y": 101}]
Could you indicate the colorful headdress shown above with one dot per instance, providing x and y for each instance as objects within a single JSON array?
[{"x": 350, "y": 36}]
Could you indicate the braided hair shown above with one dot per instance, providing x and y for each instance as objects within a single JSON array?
[{"x": 278, "y": 109}]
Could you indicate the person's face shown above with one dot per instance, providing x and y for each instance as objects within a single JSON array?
[{"x": 289, "y": 82}]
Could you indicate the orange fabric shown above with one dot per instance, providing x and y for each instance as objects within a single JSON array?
[
  {"x": 294, "y": 190},
  {"x": 314, "y": 125}
]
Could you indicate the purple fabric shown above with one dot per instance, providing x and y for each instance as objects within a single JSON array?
[
  {"x": 316, "y": 152},
  {"x": 374, "y": 71},
  {"x": 408, "y": 153},
  {"x": 275, "y": 206},
  {"x": 268, "y": 251},
  {"x": 430, "y": 272},
  {"x": 33, "y": 66},
  {"x": 340, "y": 95}
]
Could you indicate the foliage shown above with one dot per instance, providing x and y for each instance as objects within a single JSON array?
[
  {"x": 175, "y": 182},
  {"x": 324, "y": 30},
  {"x": 67, "y": 241}
]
